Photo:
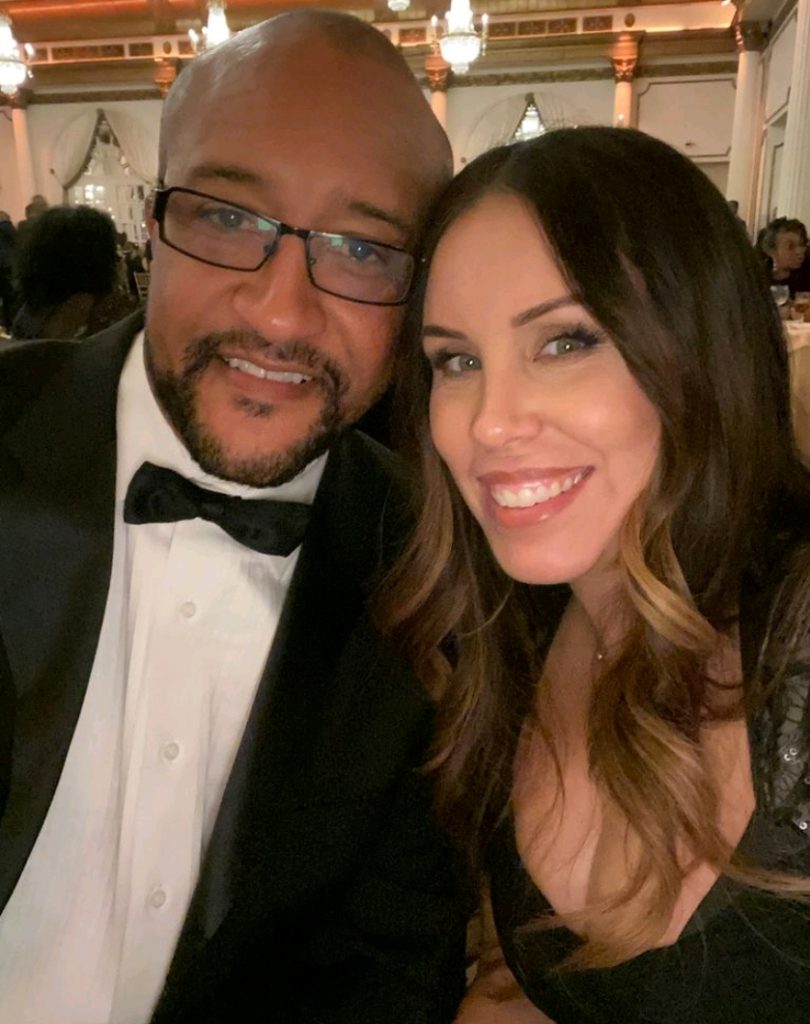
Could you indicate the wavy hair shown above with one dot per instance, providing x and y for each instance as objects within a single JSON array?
[{"x": 651, "y": 249}]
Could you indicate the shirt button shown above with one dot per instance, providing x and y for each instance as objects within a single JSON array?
[
  {"x": 157, "y": 898},
  {"x": 188, "y": 609},
  {"x": 171, "y": 750}
]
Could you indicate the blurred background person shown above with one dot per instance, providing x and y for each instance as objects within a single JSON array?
[
  {"x": 68, "y": 276},
  {"x": 8, "y": 252},
  {"x": 785, "y": 245},
  {"x": 38, "y": 205}
]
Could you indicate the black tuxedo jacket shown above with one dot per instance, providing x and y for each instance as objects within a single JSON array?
[{"x": 326, "y": 894}]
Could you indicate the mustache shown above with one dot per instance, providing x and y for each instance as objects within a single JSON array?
[{"x": 201, "y": 352}]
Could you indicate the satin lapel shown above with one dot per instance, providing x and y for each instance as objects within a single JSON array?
[
  {"x": 57, "y": 491},
  {"x": 339, "y": 558}
]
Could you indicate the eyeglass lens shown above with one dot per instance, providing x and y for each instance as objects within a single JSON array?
[{"x": 229, "y": 236}]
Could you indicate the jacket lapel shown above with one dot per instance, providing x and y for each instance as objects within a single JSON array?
[
  {"x": 57, "y": 492},
  {"x": 337, "y": 566}
]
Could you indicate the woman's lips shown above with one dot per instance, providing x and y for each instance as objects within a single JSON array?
[{"x": 531, "y": 496}]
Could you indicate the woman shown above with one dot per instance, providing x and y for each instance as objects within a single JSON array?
[
  {"x": 68, "y": 276},
  {"x": 608, "y": 589}
]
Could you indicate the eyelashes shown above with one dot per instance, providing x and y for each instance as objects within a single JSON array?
[
  {"x": 453, "y": 363},
  {"x": 564, "y": 343},
  {"x": 571, "y": 341}
]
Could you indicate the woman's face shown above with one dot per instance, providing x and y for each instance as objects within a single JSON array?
[{"x": 544, "y": 429}]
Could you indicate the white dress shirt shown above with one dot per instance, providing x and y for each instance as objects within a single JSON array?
[{"x": 89, "y": 932}]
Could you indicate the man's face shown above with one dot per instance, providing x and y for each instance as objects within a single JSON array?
[
  {"x": 258, "y": 371},
  {"x": 789, "y": 250}
]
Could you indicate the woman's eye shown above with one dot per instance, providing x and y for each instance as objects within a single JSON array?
[
  {"x": 569, "y": 344},
  {"x": 455, "y": 364}
]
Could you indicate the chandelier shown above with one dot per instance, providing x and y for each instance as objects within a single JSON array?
[
  {"x": 13, "y": 67},
  {"x": 460, "y": 44},
  {"x": 397, "y": 6},
  {"x": 216, "y": 29}
]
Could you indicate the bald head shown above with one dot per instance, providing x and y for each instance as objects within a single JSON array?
[{"x": 327, "y": 52}]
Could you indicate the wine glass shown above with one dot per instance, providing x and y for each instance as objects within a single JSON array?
[{"x": 781, "y": 296}]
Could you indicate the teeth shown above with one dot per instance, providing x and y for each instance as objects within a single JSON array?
[
  {"x": 283, "y": 377},
  {"x": 526, "y": 496}
]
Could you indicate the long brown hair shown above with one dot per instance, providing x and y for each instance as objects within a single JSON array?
[{"x": 650, "y": 248}]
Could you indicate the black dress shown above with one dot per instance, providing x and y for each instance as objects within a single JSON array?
[{"x": 744, "y": 956}]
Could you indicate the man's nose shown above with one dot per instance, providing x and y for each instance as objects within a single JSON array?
[{"x": 279, "y": 300}]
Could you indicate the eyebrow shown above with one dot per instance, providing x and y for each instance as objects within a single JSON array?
[
  {"x": 369, "y": 210},
  {"x": 224, "y": 172},
  {"x": 437, "y": 331},
  {"x": 239, "y": 175},
  {"x": 540, "y": 310}
]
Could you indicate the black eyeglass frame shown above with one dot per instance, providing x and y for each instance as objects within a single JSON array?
[{"x": 160, "y": 201}]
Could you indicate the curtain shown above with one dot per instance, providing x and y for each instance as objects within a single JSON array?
[
  {"x": 72, "y": 147},
  {"x": 74, "y": 144},
  {"x": 136, "y": 145}
]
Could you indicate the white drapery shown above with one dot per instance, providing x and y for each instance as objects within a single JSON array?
[
  {"x": 136, "y": 145},
  {"x": 72, "y": 147}
]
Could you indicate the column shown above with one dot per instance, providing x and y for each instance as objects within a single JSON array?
[
  {"x": 22, "y": 152},
  {"x": 751, "y": 37},
  {"x": 624, "y": 58},
  {"x": 437, "y": 70},
  {"x": 794, "y": 186}
]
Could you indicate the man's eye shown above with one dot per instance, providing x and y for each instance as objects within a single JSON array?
[
  {"x": 355, "y": 249},
  {"x": 226, "y": 218}
]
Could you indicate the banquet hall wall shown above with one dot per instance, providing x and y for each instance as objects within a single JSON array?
[{"x": 689, "y": 102}]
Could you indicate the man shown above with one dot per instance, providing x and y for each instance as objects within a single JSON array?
[
  {"x": 8, "y": 259},
  {"x": 785, "y": 244},
  {"x": 38, "y": 205},
  {"x": 215, "y": 774}
]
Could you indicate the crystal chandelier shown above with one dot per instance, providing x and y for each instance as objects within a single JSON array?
[
  {"x": 397, "y": 6},
  {"x": 460, "y": 44},
  {"x": 216, "y": 30},
  {"x": 13, "y": 67}
]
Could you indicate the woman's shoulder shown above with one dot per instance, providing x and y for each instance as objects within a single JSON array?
[{"x": 775, "y": 639}]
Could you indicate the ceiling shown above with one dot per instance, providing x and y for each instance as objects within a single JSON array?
[{"x": 129, "y": 44}]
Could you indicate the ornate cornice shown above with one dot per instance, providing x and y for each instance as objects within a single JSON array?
[
  {"x": 95, "y": 96},
  {"x": 751, "y": 35}
]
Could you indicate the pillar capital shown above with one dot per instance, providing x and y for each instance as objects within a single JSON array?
[
  {"x": 751, "y": 35},
  {"x": 624, "y": 57},
  {"x": 165, "y": 74},
  {"x": 437, "y": 70}
]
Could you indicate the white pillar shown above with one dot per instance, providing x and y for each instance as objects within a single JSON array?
[
  {"x": 22, "y": 153},
  {"x": 623, "y": 103},
  {"x": 438, "y": 104},
  {"x": 794, "y": 185},
  {"x": 624, "y": 58},
  {"x": 745, "y": 131}
]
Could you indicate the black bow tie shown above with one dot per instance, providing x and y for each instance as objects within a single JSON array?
[{"x": 158, "y": 495}]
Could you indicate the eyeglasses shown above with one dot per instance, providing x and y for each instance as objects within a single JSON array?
[{"x": 234, "y": 237}]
